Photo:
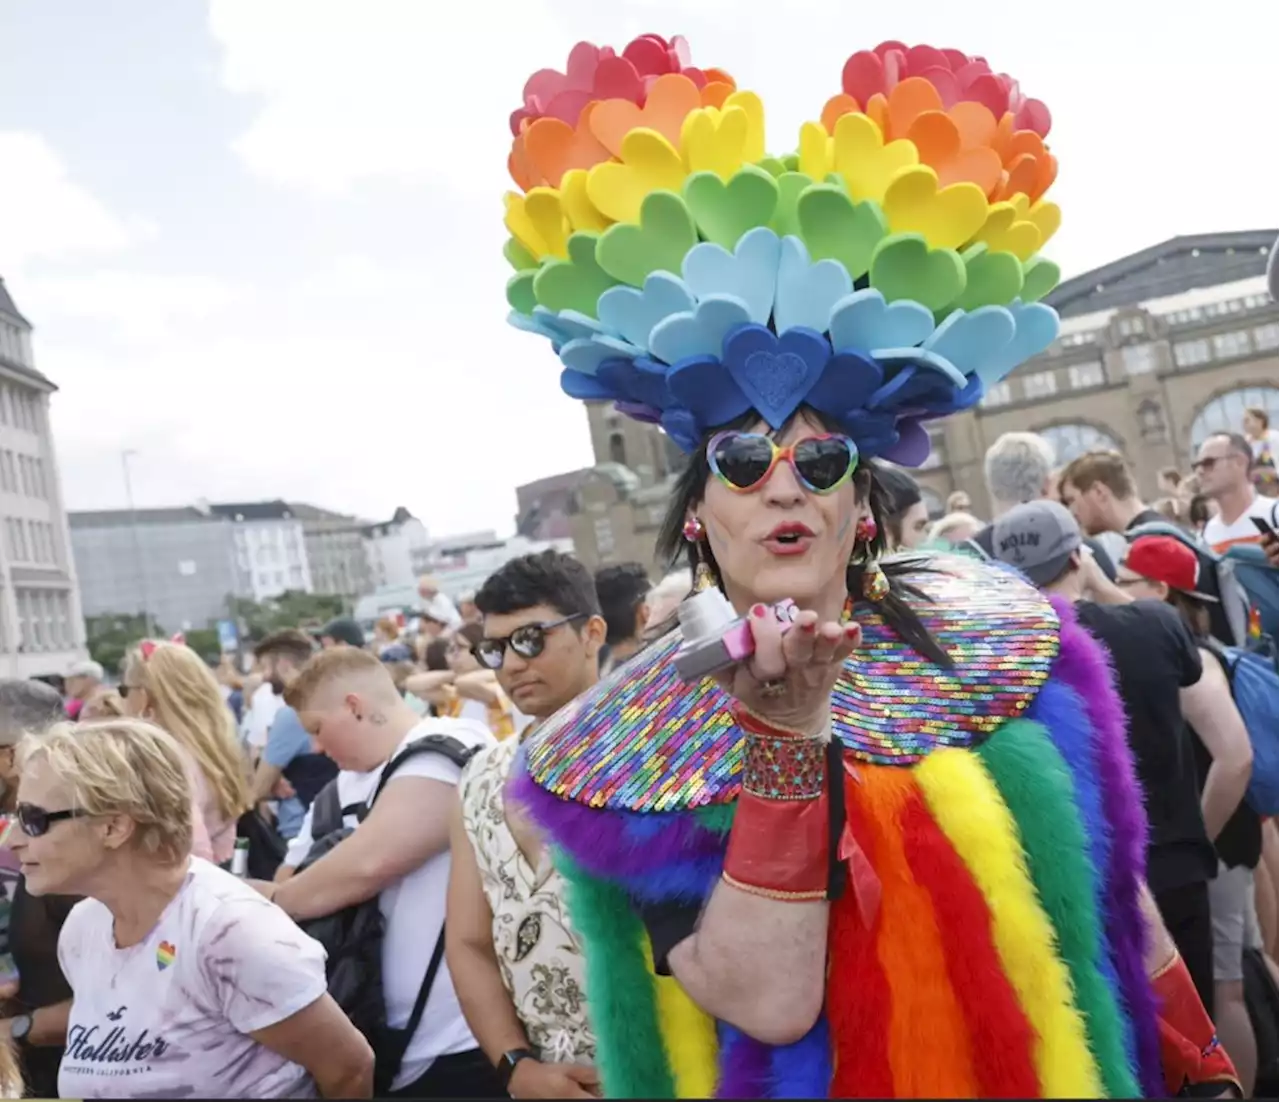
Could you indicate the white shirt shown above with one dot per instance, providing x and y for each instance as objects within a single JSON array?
[
  {"x": 1220, "y": 536},
  {"x": 171, "y": 1016},
  {"x": 413, "y": 908},
  {"x": 263, "y": 706}
]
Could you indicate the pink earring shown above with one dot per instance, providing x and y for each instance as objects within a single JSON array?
[
  {"x": 866, "y": 529},
  {"x": 694, "y": 531}
]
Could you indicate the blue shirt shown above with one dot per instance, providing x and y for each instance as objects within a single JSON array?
[{"x": 287, "y": 739}]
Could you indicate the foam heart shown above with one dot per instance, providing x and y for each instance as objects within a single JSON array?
[
  {"x": 585, "y": 388},
  {"x": 520, "y": 294},
  {"x": 848, "y": 380},
  {"x": 836, "y": 228},
  {"x": 665, "y": 234},
  {"x": 715, "y": 141},
  {"x": 786, "y": 219},
  {"x": 947, "y": 218},
  {"x": 904, "y": 267},
  {"x": 669, "y": 102},
  {"x": 634, "y": 313},
  {"x": 570, "y": 325},
  {"x": 991, "y": 278},
  {"x": 914, "y": 97},
  {"x": 1047, "y": 218},
  {"x": 772, "y": 165},
  {"x": 576, "y": 283},
  {"x": 586, "y": 355},
  {"x": 553, "y": 147},
  {"x": 1040, "y": 276},
  {"x": 817, "y": 156},
  {"x": 749, "y": 273},
  {"x": 577, "y": 206},
  {"x": 1007, "y": 229},
  {"x": 537, "y": 221},
  {"x": 640, "y": 381},
  {"x": 938, "y": 139},
  {"x": 520, "y": 258},
  {"x": 750, "y": 104},
  {"x": 533, "y": 324},
  {"x": 806, "y": 291},
  {"x": 705, "y": 388},
  {"x": 775, "y": 372},
  {"x": 699, "y": 333},
  {"x": 725, "y": 211},
  {"x": 866, "y": 162},
  {"x": 912, "y": 447},
  {"x": 1037, "y": 328},
  {"x": 649, "y": 163},
  {"x": 863, "y": 322},
  {"x": 969, "y": 342}
]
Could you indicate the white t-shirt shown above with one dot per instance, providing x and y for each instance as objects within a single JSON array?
[
  {"x": 413, "y": 908},
  {"x": 263, "y": 706},
  {"x": 171, "y": 1016},
  {"x": 1220, "y": 536}
]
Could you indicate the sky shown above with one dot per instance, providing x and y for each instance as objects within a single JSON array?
[{"x": 260, "y": 240}]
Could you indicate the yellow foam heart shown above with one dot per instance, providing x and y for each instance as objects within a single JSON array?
[
  {"x": 816, "y": 153},
  {"x": 649, "y": 163},
  {"x": 867, "y": 164},
  {"x": 947, "y": 218},
  {"x": 538, "y": 222},
  {"x": 751, "y": 103},
  {"x": 1007, "y": 230},
  {"x": 1047, "y": 218},
  {"x": 582, "y": 214},
  {"x": 715, "y": 141}
]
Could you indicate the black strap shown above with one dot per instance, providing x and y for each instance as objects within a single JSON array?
[
  {"x": 326, "y": 811},
  {"x": 392, "y": 1052},
  {"x": 446, "y": 745}
]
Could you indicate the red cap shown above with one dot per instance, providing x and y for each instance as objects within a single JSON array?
[{"x": 1168, "y": 560}]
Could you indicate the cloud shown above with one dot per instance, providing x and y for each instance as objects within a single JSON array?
[{"x": 44, "y": 213}]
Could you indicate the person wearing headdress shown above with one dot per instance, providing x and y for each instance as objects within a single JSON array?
[{"x": 861, "y": 825}]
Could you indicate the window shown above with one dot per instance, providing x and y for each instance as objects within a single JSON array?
[
  {"x": 1139, "y": 359},
  {"x": 1086, "y": 375},
  {"x": 23, "y": 602},
  {"x": 24, "y": 475},
  {"x": 617, "y": 448},
  {"x": 1226, "y": 412},
  {"x": 1227, "y": 345},
  {"x": 1266, "y": 337},
  {"x": 604, "y": 536},
  {"x": 1043, "y": 384},
  {"x": 1192, "y": 353},
  {"x": 1001, "y": 394},
  {"x": 6, "y": 411},
  {"x": 1071, "y": 440},
  {"x": 62, "y": 620},
  {"x": 1132, "y": 327}
]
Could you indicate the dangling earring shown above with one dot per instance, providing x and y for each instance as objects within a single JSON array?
[
  {"x": 866, "y": 529},
  {"x": 875, "y": 585},
  {"x": 695, "y": 532}
]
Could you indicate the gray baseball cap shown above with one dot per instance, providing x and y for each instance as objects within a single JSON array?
[{"x": 1038, "y": 538}]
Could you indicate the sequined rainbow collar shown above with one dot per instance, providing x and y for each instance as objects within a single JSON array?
[{"x": 643, "y": 740}]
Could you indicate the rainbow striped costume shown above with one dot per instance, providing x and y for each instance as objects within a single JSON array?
[{"x": 993, "y": 945}]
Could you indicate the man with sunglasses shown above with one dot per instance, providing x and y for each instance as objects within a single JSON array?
[
  {"x": 1223, "y": 467},
  {"x": 515, "y": 960}
]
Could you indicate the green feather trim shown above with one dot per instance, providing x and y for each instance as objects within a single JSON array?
[
  {"x": 621, "y": 1000},
  {"x": 717, "y": 818},
  {"x": 1037, "y": 787}
]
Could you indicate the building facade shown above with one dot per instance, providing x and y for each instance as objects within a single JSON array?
[
  {"x": 270, "y": 547},
  {"x": 41, "y": 625},
  {"x": 336, "y": 551},
  {"x": 398, "y": 550}
]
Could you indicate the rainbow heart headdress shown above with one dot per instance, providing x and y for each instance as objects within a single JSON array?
[{"x": 885, "y": 273}]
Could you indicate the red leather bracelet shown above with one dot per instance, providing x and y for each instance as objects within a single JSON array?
[
  {"x": 1189, "y": 1048},
  {"x": 780, "y": 845}
]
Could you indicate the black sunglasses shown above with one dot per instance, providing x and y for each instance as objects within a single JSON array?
[
  {"x": 528, "y": 641},
  {"x": 745, "y": 460},
  {"x": 36, "y": 821}
]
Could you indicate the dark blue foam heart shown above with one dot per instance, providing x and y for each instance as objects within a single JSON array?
[{"x": 776, "y": 374}]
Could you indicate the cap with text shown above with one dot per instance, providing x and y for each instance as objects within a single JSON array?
[{"x": 1038, "y": 538}]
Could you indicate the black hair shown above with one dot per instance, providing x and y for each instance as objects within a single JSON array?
[
  {"x": 548, "y": 578},
  {"x": 868, "y": 485},
  {"x": 621, "y": 590},
  {"x": 901, "y": 492},
  {"x": 436, "y": 656}
]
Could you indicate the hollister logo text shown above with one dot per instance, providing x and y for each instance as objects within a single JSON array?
[{"x": 113, "y": 1046}]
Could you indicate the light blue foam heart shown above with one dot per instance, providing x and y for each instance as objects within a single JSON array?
[
  {"x": 918, "y": 357},
  {"x": 863, "y": 320},
  {"x": 699, "y": 333},
  {"x": 749, "y": 273},
  {"x": 1036, "y": 328},
  {"x": 570, "y": 324},
  {"x": 586, "y": 355},
  {"x": 971, "y": 341},
  {"x": 807, "y": 291},
  {"x": 536, "y": 325},
  {"x": 633, "y": 313}
]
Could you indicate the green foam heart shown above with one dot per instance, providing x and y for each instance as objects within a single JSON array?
[
  {"x": 832, "y": 225},
  {"x": 520, "y": 258},
  {"x": 520, "y": 294},
  {"x": 791, "y": 162},
  {"x": 1039, "y": 277},
  {"x": 786, "y": 219},
  {"x": 658, "y": 244},
  {"x": 904, "y": 267},
  {"x": 991, "y": 278},
  {"x": 725, "y": 211},
  {"x": 576, "y": 283},
  {"x": 773, "y": 166}
]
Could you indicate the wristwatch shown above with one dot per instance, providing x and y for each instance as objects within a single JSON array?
[
  {"x": 507, "y": 1064},
  {"x": 20, "y": 1028}
]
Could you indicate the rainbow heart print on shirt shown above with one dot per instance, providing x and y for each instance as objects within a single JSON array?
[{"x": 165, "y": 955}]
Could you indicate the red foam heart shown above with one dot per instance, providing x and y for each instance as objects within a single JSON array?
[
  {"x": 649, "y": 56},
  {"x": 944, "y": 80},
  {"x": 956, "y": 60},
  {"x": 567, "y": 106},
  {"x": 616, "y": 78},
  {"x": 922, "y": 58},
  {"x": 1033, "y": 115},
  {"x": 680, "y": 51},
  {"x": 891, "y": 46},
  {"x": 988, "y": 91}
]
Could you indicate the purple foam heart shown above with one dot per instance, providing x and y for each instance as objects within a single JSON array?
[
  {"x": 913, "y": 445},
  {"x": 638, "y": 411}
]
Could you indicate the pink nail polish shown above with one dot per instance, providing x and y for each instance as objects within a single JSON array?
[
  {"x": 809, "y": 629},
  {"x": 758, "y": 611},
  {"x": 850, "y": 630}
]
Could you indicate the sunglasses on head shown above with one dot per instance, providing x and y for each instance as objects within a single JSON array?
[
  {"x": 528, "y": 641},
  {"x": 744, "y": 460},
  {"x": 36, "y": 821}
]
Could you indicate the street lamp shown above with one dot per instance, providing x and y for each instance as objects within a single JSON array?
[{"x": 125, "y": 456}]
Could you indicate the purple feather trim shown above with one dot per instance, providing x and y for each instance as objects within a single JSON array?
[
  {"x": 1084, "y": 664},
  {"x": 745, "y": 1065}
]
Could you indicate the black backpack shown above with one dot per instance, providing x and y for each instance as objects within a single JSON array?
[{"x": 352, "y": 937}]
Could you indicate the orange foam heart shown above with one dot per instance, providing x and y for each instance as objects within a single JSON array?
[
  {"x": 907, "y": 102},
  {"x": 976, "y": 123},
  {"x": 553, "y": 147},
  {"x": 719, "y": 76},
  {"x": 519, "y": 167},
  {"x": 670, "y": 101},
  {"x": 839, "y": 104},
  {"x": 938, "y": 140},
  {"x": 877, "y": 110},
  {"x": 1021, "y": 176},
  {"x": 714, "y": 94}
]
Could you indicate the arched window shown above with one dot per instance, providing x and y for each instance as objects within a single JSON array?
[
  {"x": 1225, "y": 412},
  {"x": 1069, "y": 441},
  {"x": 617, "y": 449}
]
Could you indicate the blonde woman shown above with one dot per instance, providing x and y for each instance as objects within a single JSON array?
[
  {"x": 170, "y": 684},
  {"x": 10, "y": 1074},
  {"x": 185, "y": 980}
]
